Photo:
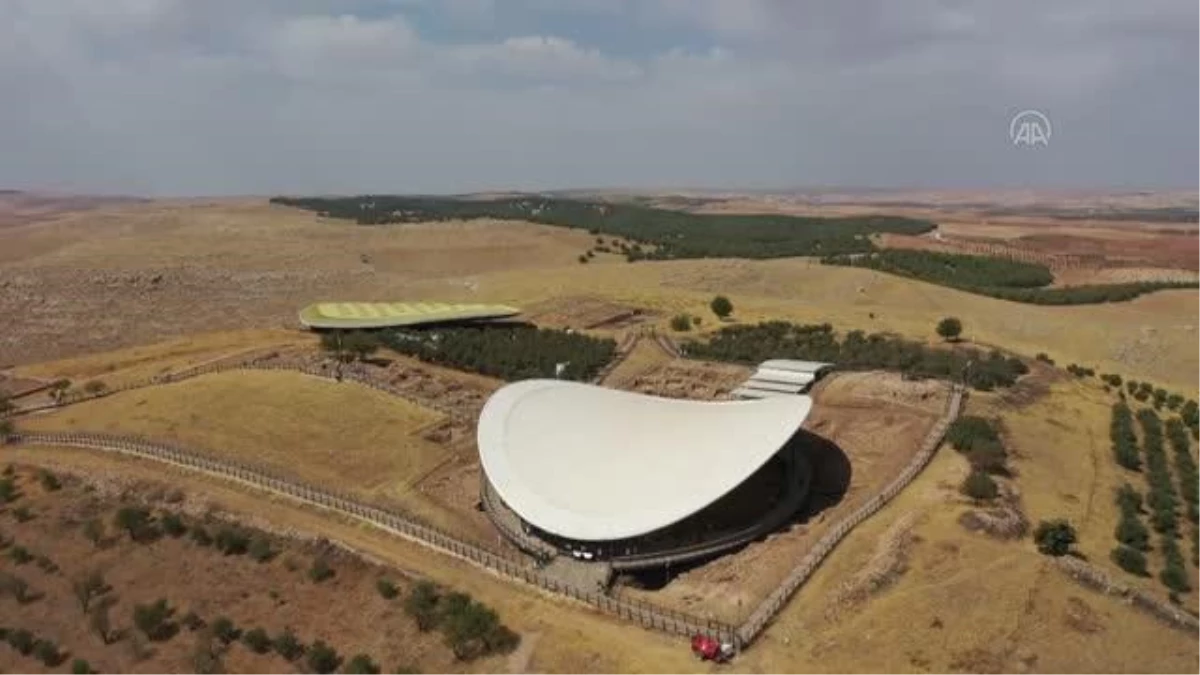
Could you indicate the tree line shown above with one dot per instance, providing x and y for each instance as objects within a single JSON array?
[
  {"x": 1163, "y": 502},
  {"x": 1001, "y": 278},
  {"x": 754, "y": 343},
  {"x": 656, "y": 234},
  {"x": 508, "y": 353}
]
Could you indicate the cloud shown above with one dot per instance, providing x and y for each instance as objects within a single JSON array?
[{"x": 177, "y": 97}]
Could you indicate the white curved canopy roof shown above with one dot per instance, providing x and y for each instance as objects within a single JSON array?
[{"x": 594, "y": 464}]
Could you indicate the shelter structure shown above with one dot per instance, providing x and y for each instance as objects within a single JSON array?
[
  {"x": 634, "y": 480},
  {"x": 368, "y": 315},
  {"x": 781, "y": 377}
]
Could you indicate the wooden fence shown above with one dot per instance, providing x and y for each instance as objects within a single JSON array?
[
  {"x": 645, "y": 614},
  {"x": 762, "y": 615}
]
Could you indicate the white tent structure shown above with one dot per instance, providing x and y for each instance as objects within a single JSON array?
[
  {"x": 781, "y": 377},
  {"x": 592, "y": 464}
]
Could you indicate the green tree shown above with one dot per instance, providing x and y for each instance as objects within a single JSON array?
[
  {"x": 1131, "y": 560},
  {"x": 47, "y": 652},
  {"x": 979, "y": 485},
  {"x": 1132, "y": 533},
  {"x": 1054, "y": 537},
  {"x": 81, "y": 667},
  {"x": 681, "y": 323},
  {"x": 361, "y": 344},
  {"x": 173, "y": 524},
  {"x": 721, "y": 306},
  {"x": 950, "y": 328},
  {"x": 260, "y": 549}
]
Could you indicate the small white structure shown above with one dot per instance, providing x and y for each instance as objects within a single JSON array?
[{"x": 782, "y": 377}]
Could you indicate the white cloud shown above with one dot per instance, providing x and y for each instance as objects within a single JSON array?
[{"x": 192, "y": 97}]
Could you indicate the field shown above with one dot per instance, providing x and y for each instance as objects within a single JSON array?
[
  {"x": 123, "y": 291},
  {"x": 345, "y": 437}
]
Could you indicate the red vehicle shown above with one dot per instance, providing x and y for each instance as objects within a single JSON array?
[{"x": 708, "y": 648}]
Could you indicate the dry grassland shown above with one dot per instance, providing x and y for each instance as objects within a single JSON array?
[
  {"x": 341, "y": 436},
  {"x": 571, "y": 638},
  {"x": 123, "y": 276},
  {"x": 962, "y": 603}
]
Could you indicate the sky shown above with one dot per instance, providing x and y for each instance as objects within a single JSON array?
[{"x": 211, "y": 97}]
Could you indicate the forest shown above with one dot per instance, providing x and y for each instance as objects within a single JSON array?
[
  {"x": 509, "y": 353},
  {"x": 658, "y": 234},
  {"x": 996, "y": 277},
  {"x": 753, "y": 344}
]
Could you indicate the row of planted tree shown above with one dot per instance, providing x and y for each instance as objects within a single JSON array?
[{"x": 1162, "y": 499}]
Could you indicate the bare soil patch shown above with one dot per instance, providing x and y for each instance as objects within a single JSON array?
[{"x": 858, "y": 440}]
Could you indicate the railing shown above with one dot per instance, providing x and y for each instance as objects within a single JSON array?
[
  {"x": 773, "y": 603},
  {"x": 645, "y": 614}
]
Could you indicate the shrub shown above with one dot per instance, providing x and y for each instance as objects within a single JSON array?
[
  {"x": 81, "y": 667},
  {"x": 1044, "y": 358},
  {"x": 19, "y": 555},
  {"x": 968, "y": 430},
  {"x": 135, "y": 521},
  {"x": 172, "y": 524},
  {"x": 950, "y": 328},
  {"x": 260, "y": 549},
  {"x": 287, "y": 645},
  {"x": 257, "y": 640},
  {"x": 1131, "y": 560},
  {"x": 22, "y": 514},
  {"x": 153, "y": 620},
  {"x": 320, "y": 570},
  {"x": 386, "y": 589},
  {"x": 8, "y": 490},
  {"x": 1054, "y": 537},
  {"x": 232, "y": 541},
  {"x": 94, "y": 531},
  {"x": 421, "y": 604},
  {"x": 49, "y": 481},
  {"x": 47, "y": 652},
  {"x": 721, "y": 306},
  {"x": 361, "y": 664},
  {"x": 225, "y": 630},
  {"x": 988, "y": 456},
  {"x": 681, "y": 323},
  {"x": 192, "y": 621},
  {"x": 322, "y": 658},
  {"x": 100, "y": 623},
  {"x": 583, "y": 259},
  {"x": 15, "y": 586},
  {"x": 21, "y": 640},
  {"x": 201, "y": 536},
  {"x": 88, "y": 587},
  {"x": 979, "y": 485}
]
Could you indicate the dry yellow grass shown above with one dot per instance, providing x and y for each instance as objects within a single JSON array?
[
  {"x": 343, "y": 436},
  {"x": 1153, "y": 337},
  {"x": 965, "y": 603},
  {"x": 135, "y": 364}
]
